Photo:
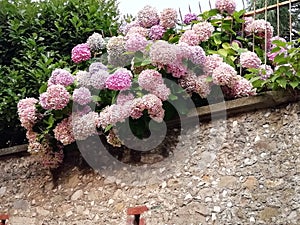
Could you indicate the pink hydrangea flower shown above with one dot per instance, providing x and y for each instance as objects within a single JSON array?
[
  {"x": 156, "y": 32},
  {"x": 190, "y": 37},
  {"x": 96, "y": 42},
  {"x": 195, "y": 84},
  {"x": 82, "y": 78},
  {"x": 81, "y": 53},
  {"x": 119, "y": 80},
  {"x": 226, "y": 5},
  {"x": 197, "y": 55},
  {"x": 84, "y": 126},
  {"x": 224, "y": 74},
  {"x": 63, "y": 131},
  {"x": 242, "y": 88},
  {"x": 188, "y": 18},
  {"x": 113, "y": 114},
  {"x": 82, "y": 96},
  {"x": 163, "y": 53},
  {"x": 249, "y": 60},
  {"x": 154, "y": 106},
  {"x": 124, "y": 28},
  {"x": 97, "y": 80},
  {"x": 27, "y": 112},
  {"x": 137, "y": 30},
  {"x": 96, "y": 67},
  {"x": 161, "y": 91},
  {"x": 265, "y": 71},
  {"x": 148, "y": 79},
  {"x": 148, "y": 17},
  {"x": 204, "y": 30},
  {"x": 116, "y": 49},
  {"x": 124, "y": 98},
  {"x": 211, "y": 63},
  {"x": 168, "y": 18},
  {"x": 61, "y": 76},
  {"x": 261, "y": 28},
  {"x": 56, "y": 97},
  {"x": 136, "y": 42}
]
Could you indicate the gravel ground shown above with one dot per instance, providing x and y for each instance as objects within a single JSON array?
[{"x": 245, "y": 170}]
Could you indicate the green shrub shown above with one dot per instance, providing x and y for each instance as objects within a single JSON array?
[{"x": 36, "y": 37}]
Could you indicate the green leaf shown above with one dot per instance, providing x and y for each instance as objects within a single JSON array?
[
  {"x": 108, "y": 127},
  {"x": 43, "y": 88},
  {"x": 294, "y": 84},
  {"x": 173, "y": 97},
  {"x": 223, "y": 52},
  {"x": 282, "y": 82}
]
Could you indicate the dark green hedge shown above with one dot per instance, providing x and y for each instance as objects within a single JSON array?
[{"x": 36, "y": 37}]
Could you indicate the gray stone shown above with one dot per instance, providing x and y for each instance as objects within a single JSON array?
[{"x": 76, "y": 195}]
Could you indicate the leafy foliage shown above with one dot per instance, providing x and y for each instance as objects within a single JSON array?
[{"x": 36, "y": 37}]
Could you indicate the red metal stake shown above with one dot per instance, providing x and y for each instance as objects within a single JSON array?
[
  {"x": 3, "y": 218},
  {"x": 136, "y": 212}
]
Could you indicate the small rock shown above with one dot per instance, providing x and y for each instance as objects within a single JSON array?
[
  {"x": 252, "y": 219},
  {"x": 2, "y": 191},
  {"x": 42, "y": 211},
  {"x": 69, "y": 213},
  {"x": 217, "y": 209},
  {"x": 251, "y": 183},
  {"x": 77, "y": 195},
  {"x": 227, "y": 181},
  {"x": 21, "y": 204},
  {"x": 110, "y": 180},
  {"x": 111, "y": 201}
]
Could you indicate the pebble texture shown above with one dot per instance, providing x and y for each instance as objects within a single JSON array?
[{"x": 245, "y": 170}]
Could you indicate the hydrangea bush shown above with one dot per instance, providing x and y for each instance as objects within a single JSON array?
[{"x": 128, "y": 75}]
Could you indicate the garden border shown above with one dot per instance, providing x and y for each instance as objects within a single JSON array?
[{"x": 232, "y": 107}]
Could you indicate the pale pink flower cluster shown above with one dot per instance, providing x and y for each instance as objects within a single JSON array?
[
  {"x": 96, "y": 67},
  {"x": 127, "y": 26},
  {"x": 242, "y": 88},
  {"x": 148, "y": 17},
  {"x": 188, "y": 18},
  {"x": 152, "y": 81},
  {"x": 113, "y": 114},
  {"x": 195, "y": 84},
  {"x": 56, "y": 97},
  {"x": 63, "y": 131},
  {"x": 119, "y": 80},
  {"x": 226, "y": 5},
  {"x": 84, "y": 126},
  {"x": 156, "y": 32},
  {"x": 250, "y": 60},
  {"x": 148, "y": 102},
  {"x": 224, "y": 75},
  {"x": 162, "y": 53},
  {"x": 197, "y": 55},
  {"x": 136, "y": 42},
  {"x": 82, "y": 96},
  {"x": 211, "y": 63},
  {"x": 124, "y": 98},
  {"x": 154, "y": 106},
  {"x": 81, "y": 53},
  {"x": 61, "y": 76},
  {"x": 261, "y": 28},
  {"x": 265, "y": 71},
  {"x": 97, "y": 80},
  {"x": 168, "y": 18},
  {"x": 27, "y": 112},
  {"x": 190, "y": 37},
  {"x": 83, "y": 78},
  {"x": 204, "y": 30},
  {"x": 96, "y": 42},
  {"x": 137, "y": 30},
  {"x": 116, "y": 49}
]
